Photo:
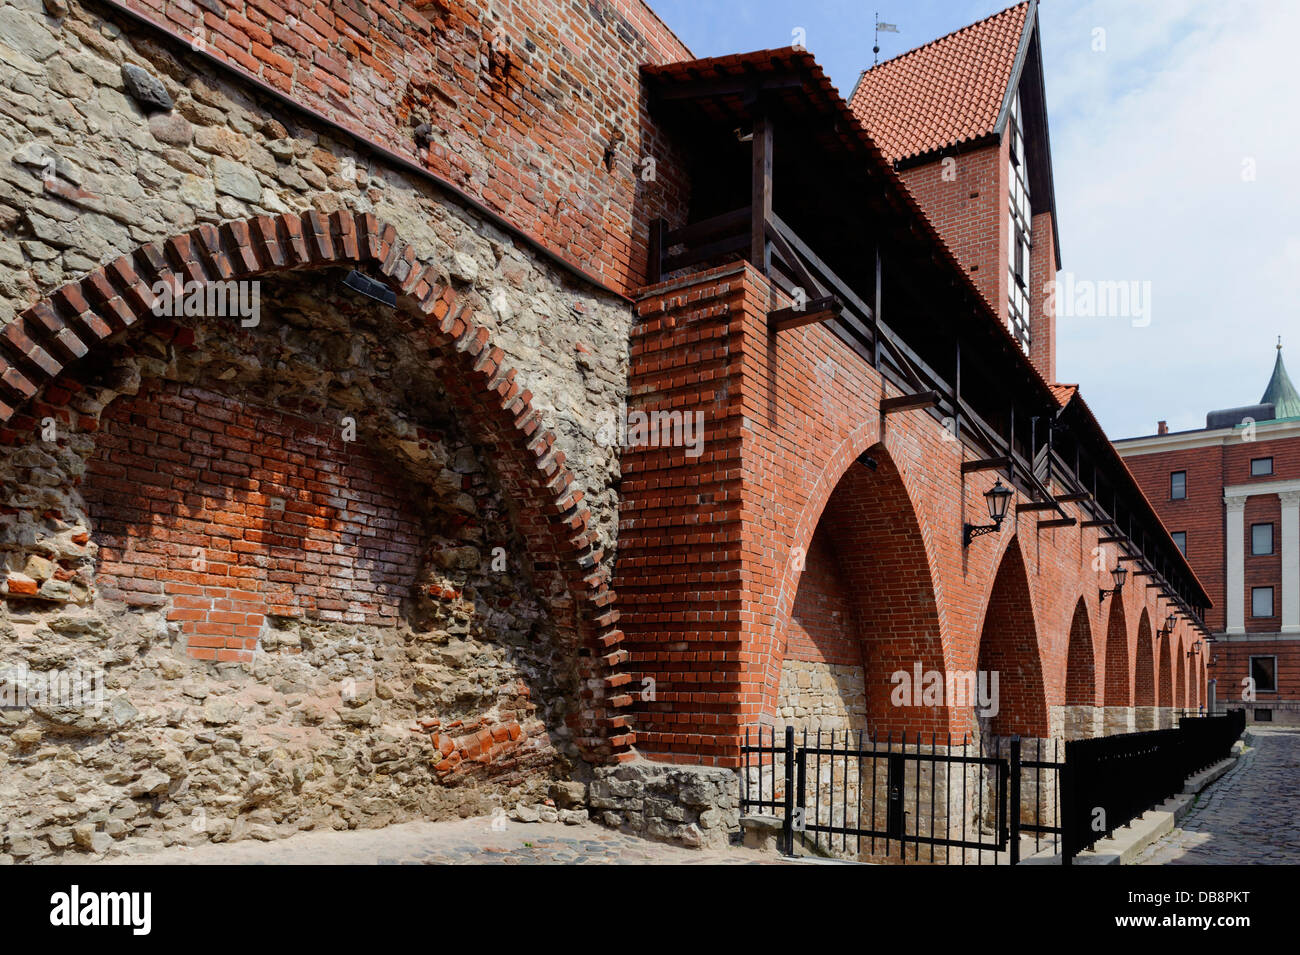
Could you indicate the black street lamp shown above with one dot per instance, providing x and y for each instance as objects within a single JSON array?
[
  {"x": 1119, "y": 573},
  {"x": 1169, "y": 624},
  {"x": 997, "y": 498}
]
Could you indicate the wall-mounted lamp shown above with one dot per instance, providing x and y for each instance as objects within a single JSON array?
[
  {"x": 997, "y": 498},
  {"x": 1169, "y": 625},
  {"x": 1196, "y": 649},
  {"x": 1120, "y": 574}
]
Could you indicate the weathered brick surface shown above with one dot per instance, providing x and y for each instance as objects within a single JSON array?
[
  {"x": 712, "y": 550},
  {"x": 522, "y": 101}
]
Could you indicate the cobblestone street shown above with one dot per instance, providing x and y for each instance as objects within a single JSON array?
[
  {"x": 1249, "y": 817},
  {"x": 470, "y": 841}
]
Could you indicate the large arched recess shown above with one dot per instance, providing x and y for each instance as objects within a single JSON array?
[
  {"x": 1009, "y": 647},
  {"x": 865, "y": 598},
  {"x": 1165, "y": 669},
  {"x": 1180, "y": 675},
  {"x": 1080, "y": 661},
  {"x": 1118, "y": 692},
  {"x": 1080, "y": 676},
  {"x": 48, "y": 342},
  {"x": 1144, "y": 673}
]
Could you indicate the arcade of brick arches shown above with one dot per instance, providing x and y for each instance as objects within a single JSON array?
[{"x": 352, "y": 543}]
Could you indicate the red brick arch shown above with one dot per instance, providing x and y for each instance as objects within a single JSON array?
[
  {"x": 1165, "y": 666},
  {"x": 1144, "y": 681},
  {"x": 871, "y": 527},
  {"x": 1009, "y": 646},
  {"x": 1081, "y": 662},
  {"x": 906, "y": 531},
  {"x": 45, "y": 344},
  {"x": 1118, "y": 687},
  {"x": 1180, "y": 674}
]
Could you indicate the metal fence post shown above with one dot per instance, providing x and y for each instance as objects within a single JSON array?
[
  {"x": 787, "y": 828},
  {"x": 1013, "y": 811},
  {"x": 1068, "y": 810}
]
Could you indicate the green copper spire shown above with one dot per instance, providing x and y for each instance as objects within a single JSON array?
[{"x": 1280, "y": 392}]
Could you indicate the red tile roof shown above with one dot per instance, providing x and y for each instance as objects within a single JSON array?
[
  {"x": 1063, "y": 393},
  {"x": 947, "y": 92}
]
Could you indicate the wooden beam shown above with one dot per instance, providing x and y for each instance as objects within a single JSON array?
[
  {"x": 1102, "y": 523},
  {"x": 654, "y": 268},
  {"x": 986, "y": 464},
  {"x": 922, "y": 399},
  {"x": 1120, "y": 539},
  {"x": 1125, "y": 557},
  {"x": 760, "y": 205},
  {"x": 1074, "y": 498},
  {"x": 1058, "y": 522},
  {"x": 1036, "y": 506},
  {"x": 814, "y": 312}
]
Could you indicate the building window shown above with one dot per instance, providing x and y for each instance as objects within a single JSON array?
[
  {"x": 1261, "y": 601},
  {"x": 1261, "y": 467},
  {"x": 1180, "y": 538},
  {"x": 1263, "y": 716},
  {"x": 1178, "y": 485},
  {"x": 1263, "y": 670},
  {"x": 1261, "y": 539},
  {"x": 1019, "y": 232}
]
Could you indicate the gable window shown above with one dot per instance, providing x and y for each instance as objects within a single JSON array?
[
  {"x": 1263, "y": 670},
  {"x": 1261, "y": 601},
  {"x": 1261, "y": 539},
  {"x": 1178, "y": 485},
  {"x": 1180, "y": 538},
  {"x": 1018, "y": 242},
  {"x": 1261, "y": 467}
]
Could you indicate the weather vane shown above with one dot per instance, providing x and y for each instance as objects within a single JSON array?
[{"x": 880, "y": 28}]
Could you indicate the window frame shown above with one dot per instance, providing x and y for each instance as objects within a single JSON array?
[
  {"x": 1172, "y": 495},
  {"x": 1268, "y": 473},
  {"x": 1272, "y": 603},
  {"x": 1272, "y": 540},
  {"x": 1250, "y": 664},
  {"x": 1181, "y": 546}
]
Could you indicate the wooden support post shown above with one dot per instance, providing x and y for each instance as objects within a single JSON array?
[
  {"x": 1036, "y": 506},
  {"x": 1058, "y": 522},
  {"x": 760, "y": 251},
  {"x": 817, "y": 310},
  {"x": 654, "y": 268},
  {"x": 875, "y": 318},
  {"x": 922, "y": 399},
  {"x": 986, "y": 464}
]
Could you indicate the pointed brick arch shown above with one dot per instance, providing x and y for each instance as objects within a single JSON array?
[
  {"x": 1180, "y": 675},
  {"x": 869, "y": 532},
  {"x": 46, "y": 342},
  {"x": 1009, "y": 646},
  {"x": 1080, "y": 661},
  {"x": 1118, "y": 691},
  {"x": 1165, "y": 664}
]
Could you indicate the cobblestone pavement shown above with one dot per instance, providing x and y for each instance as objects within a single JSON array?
[
  {"x": 430, "y": 843},
  {"x": 1249, "y": 817}
]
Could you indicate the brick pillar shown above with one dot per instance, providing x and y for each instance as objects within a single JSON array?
[{"x": 1042, "y": 303}]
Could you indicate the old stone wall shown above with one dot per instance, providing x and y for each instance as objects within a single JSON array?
[{"x": 293, "y": 553}]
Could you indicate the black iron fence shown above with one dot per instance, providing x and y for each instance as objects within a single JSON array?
[
  {"x": 852, "y": 795},
  {"x": 1111, "y": 780}
]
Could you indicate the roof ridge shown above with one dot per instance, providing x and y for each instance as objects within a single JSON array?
[{"x": 946, "y": 36}]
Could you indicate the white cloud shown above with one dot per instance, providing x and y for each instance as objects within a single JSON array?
[{"x": 1150, "y": 139}]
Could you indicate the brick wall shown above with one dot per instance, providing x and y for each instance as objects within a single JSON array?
[
  {"x": 709, "y": 549},
  {"x": 970, "y": 211},
  {"x": 228, "y": 512},
  {"x": 523, "y": 100}
]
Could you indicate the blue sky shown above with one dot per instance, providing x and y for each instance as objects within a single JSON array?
[{"x": 1176, "y": 151}]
